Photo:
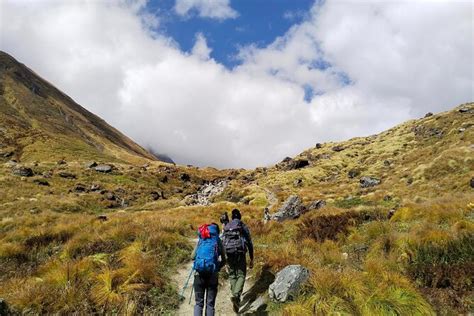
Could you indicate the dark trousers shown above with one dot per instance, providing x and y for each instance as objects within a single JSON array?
[
  {"x": 205, "y": 289},
  {"x": 237, "y": 272}
]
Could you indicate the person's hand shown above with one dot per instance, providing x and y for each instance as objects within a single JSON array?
[{"x": 251, "y": 264}]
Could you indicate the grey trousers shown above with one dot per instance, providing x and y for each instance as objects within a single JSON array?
[{"x": 205, "y": 291}]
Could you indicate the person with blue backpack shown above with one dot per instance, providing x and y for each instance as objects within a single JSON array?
[
  {"x": 237, "y": 242},
  {"x": 209, "y": 257}
]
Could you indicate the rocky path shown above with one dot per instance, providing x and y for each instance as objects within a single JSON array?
[{"x": 223, "y": 304}]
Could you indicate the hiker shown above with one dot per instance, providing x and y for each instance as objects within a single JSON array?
[
  {"x": 224, "y": 219},
  {"x": 209, "y": 257},
  {"x": 237, "y": 242}
]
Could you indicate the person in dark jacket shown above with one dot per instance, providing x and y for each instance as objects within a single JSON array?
[
  {"x": 236, "y": 257},
  {"x": 205, "y": 284}
]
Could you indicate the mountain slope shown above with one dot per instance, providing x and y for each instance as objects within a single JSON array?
[{"x": 40, "y": 122}]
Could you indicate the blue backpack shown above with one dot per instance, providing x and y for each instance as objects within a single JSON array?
[{"x": 207, "y": 252}]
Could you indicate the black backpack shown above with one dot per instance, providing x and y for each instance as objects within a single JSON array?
[{"x": 234, "y": 242}]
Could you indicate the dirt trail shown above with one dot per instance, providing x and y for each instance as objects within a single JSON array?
[{"x": 223, "y": 304}]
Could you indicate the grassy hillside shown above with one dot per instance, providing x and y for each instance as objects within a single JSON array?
[{"x": 402, "y": 244}]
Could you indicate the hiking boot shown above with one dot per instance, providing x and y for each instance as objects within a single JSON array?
[{"x": 235, "y": 304}]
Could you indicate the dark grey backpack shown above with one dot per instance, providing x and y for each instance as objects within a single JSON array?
[{"x": 234, "y": 242}]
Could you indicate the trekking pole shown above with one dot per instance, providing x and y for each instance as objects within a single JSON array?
[
  {"x": 190, "y": 296},
  {"x": 186, "y": 283}
]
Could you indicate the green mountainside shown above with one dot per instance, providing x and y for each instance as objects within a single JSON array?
[{"x": 92, "y": 223}]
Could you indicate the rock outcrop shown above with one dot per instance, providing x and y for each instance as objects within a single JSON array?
[
  {"x": 367, "y": 182},
  {"x": 206, "y": 192},
  {"x": 291, "y": 209},
  {"x": 287, "y": 283},
  {"x": 23, "y": 172}
]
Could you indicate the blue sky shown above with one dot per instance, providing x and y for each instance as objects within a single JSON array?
[{"x": 258, "y": 23}]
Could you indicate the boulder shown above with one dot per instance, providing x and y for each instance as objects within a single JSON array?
[
  {"x": 353, "y": 173},
  {"x": 95, "y": 187},
  {"x": 319, "y": 146},
  {"x": 428, "y": 114},
  {"x": 41, "y": 182},
  {"x": 61, "y": 162},
  {"x": 6, "y": 154},
  {"x": 292, "y": 208},
  {"x": 287, "y": 283},
  {"x": 155, "y": 195},
  {"x": 80, "y": 188},
  {"x": 367, "y": 182},
  {"x": 315, "y": 205},
  {"x": 23, "y": 172},
  {"x": 67, "y": 175},
  {"x": 185, "y": 177},
  {"x": 338, "y": 148},
  {"x": 110, "y": 196},
  {"x": 103, "y": 168},
  {"x": 91, "y": 164},
  {"x": 102, "y": 217},
  {"x": 47, "y": 174},
  {"x": 466, "y": 110},
  {"x": 4, "y": 309}
]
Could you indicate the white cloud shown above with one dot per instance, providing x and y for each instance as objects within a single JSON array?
[
  {"x": 215, "y": 9},
  {"x": 404, "y": 59},
  {"x": 200, "y": 47}
]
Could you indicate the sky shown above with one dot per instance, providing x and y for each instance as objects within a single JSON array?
[{"x": 245, "y": 83}]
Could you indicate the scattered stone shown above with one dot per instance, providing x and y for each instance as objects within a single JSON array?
[
  {"x": 423, "y": 131},
  {"x": 67, "y": 175},
  {"x": 345, "y": 255},
  {"x": 61, "y": 162},
  {"x": 409, "y": 181},
  {"x": 47, "y": 174},
  {"x": 287, "y": 283},
  {"x": 103, "y": 168},
  {"x": 164, "y": 179},
  {"x": 353, "y": 173},
  {"x": 367, "y": 182},
  {"x": 6, "y": 154},
  {"x": 95, "y": 187},
  {"x": 291, "y": 209},
  {"x": 34, "y": 210},
  {"x": 466, "y": 110},
  {"x": 338, "y": 148},
  {"x": 391, "y": 213},
  {"x": 185, "y": 177},
  {"x": 461, "y": 130},
  {"x": 316, "y": 205},
  {"x": 298, "y": 164},
  {"x": 110, "y": 196},
  {"x": 206, "y": 193},
  {"x": 41, "y": 182},
  {"x": 80, "y": 188},
  {"x": 23, "y": 172},
  {"x": 4, "y": 309},
  {"x": 428, "y": 114},
  {"x": 155, "y": 195},
  {"x": 102, "y": 217},
  {"x": 387, "y": 163},
  {"x": 91, "y": 164},
  {"x": 322, "y": 156},
  {"x": 319, "y": 146},
  {"x": 11, "y": 163},
  {"x": 472, "y": 183},
  {"x": 298, "y": 182}
]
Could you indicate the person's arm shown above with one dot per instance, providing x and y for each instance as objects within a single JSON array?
[
  {"x": 222, "y": 253},
  {"x": 248, "y": 240}
]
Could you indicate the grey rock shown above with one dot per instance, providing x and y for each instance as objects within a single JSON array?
[
  {"x": 47, "y": 174},
  {"x": 41, "y": 182},
  {"x": 291, "y": 209},
  {"x": 67, "y": 175},
  {"x": 316, "y": 205},
  {"x": 338, "y": 148},
  {"x": 298, "y": 182},
  {"x": 367, "y": 182},
  {"x": 4, "y": 309},
  {"x": 103, "y": 168},
  {"x": 91, "y": 164},
  {"x": 353, "y": 173},
  {"x": 387, "y": 163},
  {"x": 95, "y": 187},
  {"x": 156, "y": 195},
  {"x": 61, "y": 162},
  {"x": 102, "y": 217},
  {"x": 80, "y": 188},
  {"x": 185, "y": 177},
  {"x": 466, "y": 110},
  {"x": 11, "y": 163},
  {"x": 287, "y": 283},
  {"x": 319, "y": 145},
  {"x": 206, "y": 193},
  {"x": 23, "y": 172},
  {"x": 428, "y": 114},
  {"x": 6, "y": 154}
]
